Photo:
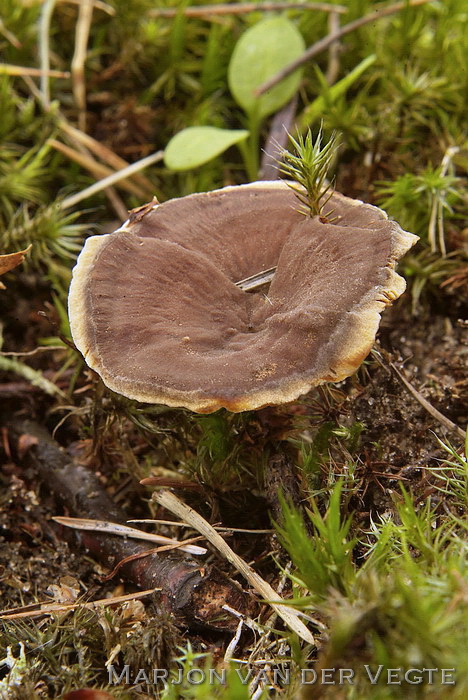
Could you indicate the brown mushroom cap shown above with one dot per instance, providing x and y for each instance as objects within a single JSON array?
[{"x": 155, "y": 310}]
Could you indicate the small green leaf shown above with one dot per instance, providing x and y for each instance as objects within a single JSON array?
[
  {"x": 197, "y": 145},
  {"x": 260, "y": 53}
]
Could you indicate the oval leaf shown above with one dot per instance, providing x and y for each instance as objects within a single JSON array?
[
  {"x": 196, "y": 145},
  {"x": 259, "y": 54}
]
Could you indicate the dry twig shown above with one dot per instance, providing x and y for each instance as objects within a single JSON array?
[
  {"x": 36, "y": 351},
  {"x": 428, "y": 406},
  {"x": 244, "y": 8},
  {"x": 192, "y": 591},
  {"x": 324, "y": 43},
  {"x": 443, "y": 420}
]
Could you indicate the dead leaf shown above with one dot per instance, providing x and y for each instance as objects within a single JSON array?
[
  {"x": 133, "y": 611},
  {"x": 67, "y": 591},
  {"x": 10, "y": 261}
]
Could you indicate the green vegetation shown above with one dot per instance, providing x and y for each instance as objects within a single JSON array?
[
  {"x": 308, "y": 166},
  {"x": 402, "y": 606},
  {"x": 374, "y": 556}
]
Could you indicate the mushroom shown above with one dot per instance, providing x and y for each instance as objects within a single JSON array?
[{"x": 156, "y": 311}]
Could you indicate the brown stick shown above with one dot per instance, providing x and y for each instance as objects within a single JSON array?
[
  {"x": 192, "y": 591},
  {"x": 324, "y": 43},
  {"x": 244, "y": 8}
]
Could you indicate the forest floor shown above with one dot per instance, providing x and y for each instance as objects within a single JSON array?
[{"x": 367, "y": 540}]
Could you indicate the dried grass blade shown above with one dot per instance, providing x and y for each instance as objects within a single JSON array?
[
  {"x": 258, "y": 280},
  {"x": 22, "y": 71},
  {"x": 44, "y": 49},
  {"x": 83, "y": 25},
  {"x": 38, "y": 609},
  {"x": 9, "y": 36},
  {"x": 125, "y": 531},
  {"x": 104, "y": 153},
  {"x": 98, "y": 170},
  {"x": 112, "y": 179},
  {"x": 289, "y": 615}
]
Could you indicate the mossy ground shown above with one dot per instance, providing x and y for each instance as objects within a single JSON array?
[{"x": 379, "y": 564}]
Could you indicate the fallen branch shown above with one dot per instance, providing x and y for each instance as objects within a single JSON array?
[
  {"x": 192, "y": 591},
  {"x": 289, "y": 615}
]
